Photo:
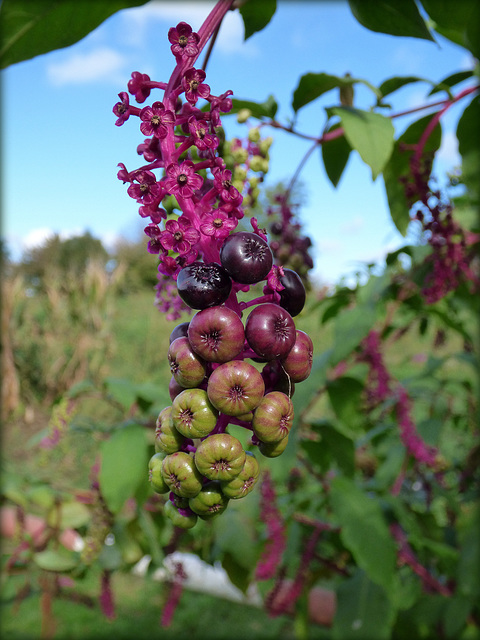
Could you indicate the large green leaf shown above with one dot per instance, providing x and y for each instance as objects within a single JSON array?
[
  {"x": 351, "y": 326},
  {"x": 29, "y": 28},
  {"x": 56, "y": 560},
  {"x": 397, "y": 171},
  {"x": 124, "y": 465},
  {"x": 459, "y": 21},
  {"x": 393, "y": 84},
  {"x": 266, "y": 109},
  {"x": 335, "y": 154},
  {"x": 364, "y": 531},
  {"x": 468, "y": 134},
  {"x": 312, "y": 85},
  {"x": 256, "y": 15},
  {"x": 392, "y": 17},
  {"x": 363, "y": 610},
  {"x": 332, "y": 447},
  {"x": 450, "y": 81},
  {"x": 345, "y": 395},
  {"x": 371, "y": 134}
]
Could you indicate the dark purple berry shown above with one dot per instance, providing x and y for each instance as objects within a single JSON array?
[
  {"x": 293, "y": 297},
  {"x": 246, "y": 257},
  {"x": 201, "y": 285}
]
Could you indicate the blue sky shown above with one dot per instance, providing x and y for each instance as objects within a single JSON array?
[{"x": 61, "y": 147}]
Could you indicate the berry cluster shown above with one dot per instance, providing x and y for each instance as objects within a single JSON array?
[{"x": 197, "y": 461}]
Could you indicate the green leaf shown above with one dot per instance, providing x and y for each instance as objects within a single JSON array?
[
  {"x": 256, "y": 15},
  {"x": 72, "y": 515},
  {"x": 238, "y": 574},
  {"x": 29, "y": 29},
  {"x": 266, "y": 109},
  {"x": 351, "y": 326},
  {"x": 371, "y": 134},
  {"x": 397, "y": 170},
  {"x": 468, "y": 134},
  {"x": 364, "y": 531},
  {"x": 60, "y": 560},
  {"x": 124, "y": 465},
  {"x": 333, "y": 446},
  {"x": 468, "y": 576},
  {"x": 459, "y": 24},
  {"x": 235, "y": 532},
  {"x": 393, "y": 84},
  {"x": 312, "y": 85},
  {"x": 335, "y": 154},
  {"x": 391, "y": 17},
  {"x": 345, "y": 396},
  {"x": 363, "y": 610},
  {"x": 121, "y": 390},
  {"x": 450, "y": 81}
]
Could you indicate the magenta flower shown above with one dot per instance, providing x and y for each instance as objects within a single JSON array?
[
  {"x": 182, "y": 180},
  {"x": 168, "y": 266},
  {"x": 155, "y": 120},
  {"x": 217, "y": 224},
  {"x": 276, "y": 533},
  {"x": 153, "y": 211},
  {"x": 123, "y": 173},
  {"x": 139, "y": 86},
  {"x": 192, "y": 82},
  {"x": 219, "y": 104},
  {"x": 179, "y": 235},
  {"x": 202, "y": 139},
  {"x": 184, "y": 40},
  {"x": 147, "y": 190},
  {"x": 122, "y": 108},
  {"x": 409, "y": 435},
  {"x": 227, "y": 192}
]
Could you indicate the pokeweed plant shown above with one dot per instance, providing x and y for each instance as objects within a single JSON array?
[{"x": 375, "y": 499}]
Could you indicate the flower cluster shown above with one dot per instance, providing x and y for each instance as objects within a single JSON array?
[
  {"x": 276, "y": 534},
  {"x": 381, "y": 387},
  {"x": 290, "y": 247},
  {"x": 452, "y": 247},
  {"x": 183, "y": 164},
  {"x": 451, "y": 258}
]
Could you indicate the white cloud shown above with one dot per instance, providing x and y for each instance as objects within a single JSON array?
[
  {"x": 101, "y": 64},
  {"x": 36, "y": 237},
  {"x": 353, "y": 226}
]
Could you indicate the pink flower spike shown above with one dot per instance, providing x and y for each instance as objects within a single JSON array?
[
  {"x": 156, "y": 120},
  {"x": 217, "y": 224},
  {"x": 192, "y": 82},
  {"x": 182, "y": 180},
  {"x": 184, "y": 41}
]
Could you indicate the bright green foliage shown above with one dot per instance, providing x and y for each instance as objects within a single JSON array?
[{"x": 29, "y": 29}]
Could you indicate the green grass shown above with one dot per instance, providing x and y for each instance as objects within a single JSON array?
[{"x": 138, "y": 608}]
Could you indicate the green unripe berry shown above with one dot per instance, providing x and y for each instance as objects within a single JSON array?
[
  {"x": 254, "y": 134},
  {"x": 243, "y": 115},
  {"x": 155, "y": 476},
  {"x": 178, "y": 519},
  {"x": 210, "y": 502}
]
